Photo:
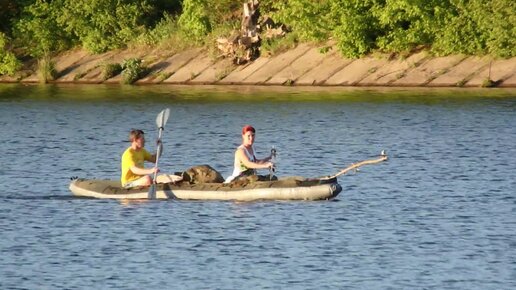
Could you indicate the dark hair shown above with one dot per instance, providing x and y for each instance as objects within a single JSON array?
[{"x": 135, "y": 134}]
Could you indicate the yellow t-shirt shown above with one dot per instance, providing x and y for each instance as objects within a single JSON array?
[{"x": 131, "y": 158}]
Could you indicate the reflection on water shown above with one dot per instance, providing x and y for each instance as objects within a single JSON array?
[{"x": 439, "y": 214}]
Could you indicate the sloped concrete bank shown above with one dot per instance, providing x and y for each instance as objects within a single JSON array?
[{"x": 302, "y": 66}]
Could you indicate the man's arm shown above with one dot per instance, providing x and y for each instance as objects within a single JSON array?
[
  {"x": 143, "y": 171},
  {"x": 248, "y": 163}
]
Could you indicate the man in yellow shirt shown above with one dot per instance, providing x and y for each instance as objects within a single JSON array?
[{"x": 133, "y": 171}]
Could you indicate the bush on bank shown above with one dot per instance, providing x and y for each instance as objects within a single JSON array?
[
  {"x": 476, "y": 27},
  {"x": 9, "y": 64},
  {"x": 132, "y": 70},
  {"x": 358, "y": 27}
]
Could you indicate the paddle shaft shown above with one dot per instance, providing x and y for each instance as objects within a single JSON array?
[
  {"x": 158, "y": 153},
  {"x": 161, "y": 120},
  {"x": 272, "y": 169}
]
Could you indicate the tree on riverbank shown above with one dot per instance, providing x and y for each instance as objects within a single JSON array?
[
  {"x": 9, "y": 64},
  {"x": 38, "y": 28},
  {"x": 444, "y": 26}
]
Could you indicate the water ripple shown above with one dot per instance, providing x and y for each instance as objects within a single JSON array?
[{"x": 438, "y": 215}]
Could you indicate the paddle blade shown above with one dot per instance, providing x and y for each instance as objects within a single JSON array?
[{"x": 162, "y": 118}]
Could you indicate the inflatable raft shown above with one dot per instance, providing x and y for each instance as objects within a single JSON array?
[{"x": 293, "y": 188}]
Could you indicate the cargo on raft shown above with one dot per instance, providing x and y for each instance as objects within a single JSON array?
[{"x": 291, "y": 188}]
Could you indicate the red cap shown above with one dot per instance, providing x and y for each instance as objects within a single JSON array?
[{"x": 248, "y": 128}]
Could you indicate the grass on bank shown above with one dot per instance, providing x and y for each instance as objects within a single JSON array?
[
  {"x": 46, "y": 70},
  {"x": 110, "y": 70},
  {"x": 132, "y": 70}
]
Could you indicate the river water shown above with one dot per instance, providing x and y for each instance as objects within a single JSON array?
[{"x": 440, "y": 214}]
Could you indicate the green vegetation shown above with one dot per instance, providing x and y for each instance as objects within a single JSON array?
[
  {"x": 278, "y": 45},
  {"x": 132, "y": 70},
  {"x": 224, "y": 72},
  {"x": 37, "y": 28},
  {"x": 46, "y": 70},
  {"x": 476, "y": 27},
  {"x": 9, "y": 64},
  {"x": 488, "y": 83},
  {"x": 110, "y": 70},
  {"x": 161, "y": 76}
]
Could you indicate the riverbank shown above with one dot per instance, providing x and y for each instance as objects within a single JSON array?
[{"x": 304, "y": 65}]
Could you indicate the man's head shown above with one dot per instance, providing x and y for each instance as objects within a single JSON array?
[
  {"x": 137, "y": 137},
  {"x": 248, "y": 135},
  {"x": 248, "y": 128}
]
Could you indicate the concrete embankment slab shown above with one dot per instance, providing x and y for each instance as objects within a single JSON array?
[
  {"x": 118, "y": 58},
  {"x": 214, "y": 72},
  {"x": 80, "y": 68},
  {"x": 190, "y": 70},
  {"x": 68, "y": 74},
  {"x": 95, "y": 73},
  {"x": 427, "y": 71},
  {"x": 318, "y": 74},
  {"x": 510, "y": 82},
  {"x": 275, "y": 65},
  {"x": 497, "y": 71},
  {"x": 163, "y": 69},
  {"x": 303, "y": 66},
  {"x": 461, "y": 73},
  {"x": 243, "y": 72},
  {"x": 392, "y": 70},
  {"x": 32, "y": 78},
  {"x": 8, "y": 79},
  {"x": 312, "y": 58},
  {"x": 356, "y": 71},
  {"x": 69, "y": 60}
]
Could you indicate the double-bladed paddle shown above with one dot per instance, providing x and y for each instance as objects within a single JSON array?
[{"x": 161, "y": 120}]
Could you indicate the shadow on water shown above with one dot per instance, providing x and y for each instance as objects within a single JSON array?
[
  {"x": 216, "y": 94},
  {"x": 40, "y": 197}
]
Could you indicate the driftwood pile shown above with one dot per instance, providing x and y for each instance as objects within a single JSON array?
[{"x": 243, "y": 46}]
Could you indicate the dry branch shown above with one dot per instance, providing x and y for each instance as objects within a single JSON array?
[
  {"x": 354, "y": 166},
  {"x": 243, "y": 46}
]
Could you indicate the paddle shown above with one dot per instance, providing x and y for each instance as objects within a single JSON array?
[
  {"x": 161, "y": 120},
  {"x": 272, "y": 169}
]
